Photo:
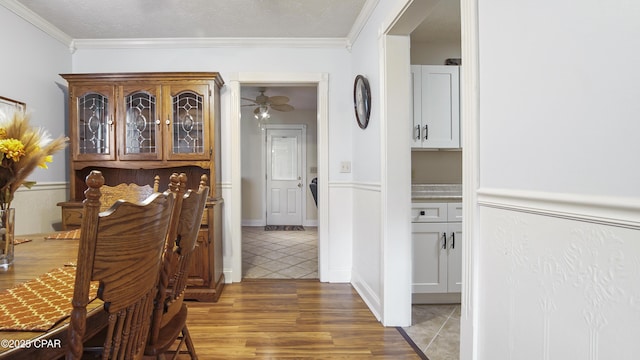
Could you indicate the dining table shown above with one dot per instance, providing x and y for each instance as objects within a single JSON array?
[{"x": 39, "y": 258}]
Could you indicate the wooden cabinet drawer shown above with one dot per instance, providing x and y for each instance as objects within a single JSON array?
[{"x": 71, "y": 218}]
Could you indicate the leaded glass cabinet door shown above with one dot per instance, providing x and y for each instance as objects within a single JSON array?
[
  {"x": 92, "y": 110},
  {"x": 141, "y": 128},
  {"x": 188, "y": 129}
]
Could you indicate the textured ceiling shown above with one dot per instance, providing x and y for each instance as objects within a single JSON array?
[
  {"x": 122, "y": 19},
  {"x": 162, "y": 19}
]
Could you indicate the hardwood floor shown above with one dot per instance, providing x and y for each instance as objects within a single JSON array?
[{"x": 291, "y": 319}]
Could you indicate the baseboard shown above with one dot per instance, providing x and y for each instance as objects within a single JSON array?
[
  {"x": 368, "y": 296},
  {"x": 439, "y": 298},
  {"x": 254, "y": 222},
  {"x": 311, "y": 223},
  {"x": 262, "y": 222}
]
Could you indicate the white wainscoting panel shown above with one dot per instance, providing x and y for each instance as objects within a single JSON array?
[
  {"x": 556, "y": 286},
  {"x": 340, "y": 240},
  {"x": 36, "y": 209},
  {"x": 367, "y": 245}
]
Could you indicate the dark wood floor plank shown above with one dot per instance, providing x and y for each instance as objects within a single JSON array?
[{"x": 291, "y": 319}]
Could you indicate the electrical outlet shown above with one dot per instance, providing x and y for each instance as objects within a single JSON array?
[{"x": 345, "y": 167}]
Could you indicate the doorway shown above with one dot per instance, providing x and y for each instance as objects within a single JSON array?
[
  {"x": 394, "y": 73},
  {"x": 279, "y": 219},
  {"x": 436, "y": 304},
  {"x": 283, "y": 248}
]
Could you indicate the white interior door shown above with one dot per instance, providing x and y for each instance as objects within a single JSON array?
[{"x": 284, "y": 177}]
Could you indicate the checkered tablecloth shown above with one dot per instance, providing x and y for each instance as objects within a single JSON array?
[
  {"x": 64, "y": 235},
  {"x": 39, "y": 304}
]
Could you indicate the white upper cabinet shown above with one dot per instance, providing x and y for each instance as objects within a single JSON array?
[{"x": 436, "y": 107}]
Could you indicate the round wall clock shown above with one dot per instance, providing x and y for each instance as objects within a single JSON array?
[{"x": 362, "y": 101}]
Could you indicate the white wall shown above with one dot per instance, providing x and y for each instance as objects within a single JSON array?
[
  {"x": 382, "y": 161},
  {"x": 559, "y": 96},
  {"x": 557, "y": 253},
  {"x": 366, "y": 170},
  {"x": 30, "y": 64},
  {"x": 434, "y": 53}
]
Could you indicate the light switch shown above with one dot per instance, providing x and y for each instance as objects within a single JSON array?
[{"x": 345, "y": 167}]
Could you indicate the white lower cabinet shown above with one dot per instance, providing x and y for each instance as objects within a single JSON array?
[{"x": 437, "y": 255}]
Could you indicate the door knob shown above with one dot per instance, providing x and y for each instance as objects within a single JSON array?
[{"x": 299, "y": 185}]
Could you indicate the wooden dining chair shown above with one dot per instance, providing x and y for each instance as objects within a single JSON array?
[
  {"x": 168, "y": 324},
  {"x": 131, "y": 192},
  {"x": 120, "y": 248}
]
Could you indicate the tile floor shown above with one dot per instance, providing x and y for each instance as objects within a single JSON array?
[
  {"x": 435, "y": 329},
  {"x": 279, "y": 254}
]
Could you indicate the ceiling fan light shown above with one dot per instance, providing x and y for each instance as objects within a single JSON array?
[{"x": 262, "y": 113}]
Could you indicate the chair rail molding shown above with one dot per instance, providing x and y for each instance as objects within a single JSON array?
[{"x": 615, "y": 211}]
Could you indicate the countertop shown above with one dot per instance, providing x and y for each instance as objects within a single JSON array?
[{"x": 440, "y": 192}]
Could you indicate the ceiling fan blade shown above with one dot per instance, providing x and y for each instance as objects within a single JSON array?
[
  {"x": 278, "y": 100},
  {"x": 252, "y": 100},
  {"x": 283, "y": 107},
  {"x": 261, "y": 99}
]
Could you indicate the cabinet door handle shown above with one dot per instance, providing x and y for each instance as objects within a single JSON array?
[
  {"x": 426, "y": 132},
  {"x": 168, "y": 122},
  {"x": 157, "y": 121},
  {"x": 453, "y": 240},
  {"x": 417, "y": 137},
  {"x": 444, "y": 240},
  {"x": 110, "y": 120}
]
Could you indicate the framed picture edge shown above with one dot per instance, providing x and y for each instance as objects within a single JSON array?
[{"x": 8, "y": 103}]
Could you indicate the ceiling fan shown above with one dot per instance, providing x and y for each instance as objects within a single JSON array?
[{"x": 263, "y": 102}]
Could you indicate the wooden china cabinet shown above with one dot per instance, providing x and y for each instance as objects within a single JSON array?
[{"x": 134, "y": 126}]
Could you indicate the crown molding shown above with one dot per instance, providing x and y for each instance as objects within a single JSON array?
[
  {"x": 149, "y": 43},
  {"x": 37, "y": 21},
  {"x": 361, "y": 20}
]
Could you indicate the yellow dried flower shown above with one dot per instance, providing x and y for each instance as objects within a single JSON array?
[
  {"x": 22, "y": 149},
  {"x": 12, "y": 149},
  {"x": 47, "y": 159}
]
